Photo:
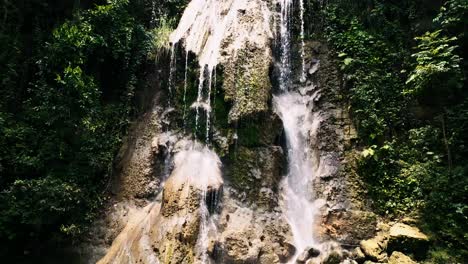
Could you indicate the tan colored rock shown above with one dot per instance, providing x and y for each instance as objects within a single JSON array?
[
  {"x": 239, "y": 249},
  {"x": 400, "y": 258},
  {"x": 251, "y": 236},
  {"x": 403, "y": 230},
  {"x": 408, "y": 239},
  {"x": 375, "y": 248},
  {"x": 349, "y": 227},
  {"x": 312, "y": 261},
  {"x": 358, "y": 255}
]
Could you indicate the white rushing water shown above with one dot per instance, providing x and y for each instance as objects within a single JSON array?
[
  {"x": 285, "y": 43},
  {"x": 199, "y": 167},
  {"x": 215, "y": 31},
  {"x": 301, "y": 16},
  {"x": 184, "y": 117},
  {"x": 300, "y": 126},
  {"x": 300, "y": 123},
  {"x": 172, "y": 72},
  {"x": 203, "y": 27}
]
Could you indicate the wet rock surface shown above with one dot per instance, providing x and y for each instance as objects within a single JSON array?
[
  {"x": 250, "y": 225},
  {"x": 344, "y": 215},
  {"x": 253, "y": 236}
]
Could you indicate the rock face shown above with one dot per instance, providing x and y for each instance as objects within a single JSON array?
[
  {"x": 345, "y": 215},
  {"x": 182, "y": 224},
  {"x": 408, "y": 239},
  {"x": 236, "y": 34},
  {"x": 358, "y": 255},
  {"x": 391, "y": 241},
  {"x": 375, "y": 248},
  {"x": 255, "y": 173},
  {"x": 169, "y": 231},
  {"x": 252, "y": 236},
  {"x": 307, "y": 254}
]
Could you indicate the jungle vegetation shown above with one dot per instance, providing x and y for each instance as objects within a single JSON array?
[{"x": 69, "y": 71}]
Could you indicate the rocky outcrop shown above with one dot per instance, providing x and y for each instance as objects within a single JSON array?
[
  {"x": 375, "y": 248},
  {"x": 255, "y": 173},
  {"x": 349, "y": 226},
  {"x": 345, "y": 216},
  {"x": 250, "y": 227},
  {"x": 236, "y": 35},
  {"x": 170, "y": 230},
  {"x": 307, "y": 254},
  {"x": 387, "y": 245},
  {"x": 408, "y": 239},
  {"x": 253, "y": 236}
]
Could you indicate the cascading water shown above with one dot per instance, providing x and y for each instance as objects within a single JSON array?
[
  {"x": 295, "y": 108},
  {"x": 196, "y": 175},
  {"x": 199, "y": 167},
  {"x": 285, "y": 44},
  {"x": 203, "y": 27},
  {"x": 184, "y": 117},
  {"x": 218, "y": 32},
  {"x": 300, "y": 125},
  {"x": 301, "y": 16},
  {"x": 172, "y": 71}
]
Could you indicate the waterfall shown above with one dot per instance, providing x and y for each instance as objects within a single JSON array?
[
  {"x": 285, "y": 43},
  {"x": 301, "y": 16},
  {"x": 300, "y": 126},
  {"x": 203, "y": 27},
  {"x": 300, "y": 123},
  {"x": 199, "y": 167},
  {"x": 184, "y": 116},
  {"x": 172, "y": 72},
  {"x": 196, "y": 175}
]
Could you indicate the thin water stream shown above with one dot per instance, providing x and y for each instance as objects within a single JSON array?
[{"x": 300, "y": 125}]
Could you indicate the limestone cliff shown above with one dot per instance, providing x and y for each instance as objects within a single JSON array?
[{"x": 172, "y": 215}]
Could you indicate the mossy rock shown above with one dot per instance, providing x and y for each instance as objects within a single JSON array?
[
  {"x": 257, "y": 173},
  {"x": 247, "y": 83},
  {"x": 260, "y": 130}
]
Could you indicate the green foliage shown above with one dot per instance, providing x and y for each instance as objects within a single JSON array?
[
  {"x": 59, "y": 134},
  {"x": 452, "y": 17},
  {"x": 375, "y": 95},
  {"x": 437, "y": 65},
  {"x": 160, "y": 39},
  {"x": 412, "y": 161},
  {"x": 395, "y": 171}
]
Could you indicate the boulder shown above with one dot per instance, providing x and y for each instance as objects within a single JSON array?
[
  {"x": 239, "y": 248},
  {"x": 350, "y": 226},
  {"x": 400, "y": 258},
  {"x": 358, "y": 255},
  {"x": 408, "y": 239},
  {"x": 333, "y": 258},
  {"x": 308, "y": 253},
  {"x": 374, "y": 248}
]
